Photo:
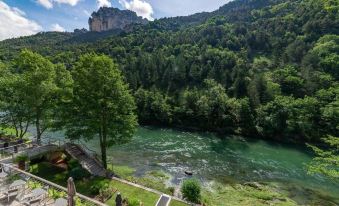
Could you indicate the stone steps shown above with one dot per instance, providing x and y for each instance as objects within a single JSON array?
[{"x": 86, "y": 161}]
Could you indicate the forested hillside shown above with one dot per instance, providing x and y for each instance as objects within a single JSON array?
[{"x": 253, "y": 67}]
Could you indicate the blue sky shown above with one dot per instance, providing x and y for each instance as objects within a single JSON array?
[{"x": 25, "y": 17}]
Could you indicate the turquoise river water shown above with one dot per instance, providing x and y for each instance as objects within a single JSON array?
[{"x": 226, "y": 160}]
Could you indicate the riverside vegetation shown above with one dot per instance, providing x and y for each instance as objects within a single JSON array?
[{"x": 265, "y": 69}]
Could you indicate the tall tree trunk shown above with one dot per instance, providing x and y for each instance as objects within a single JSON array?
[
  {"x": 104, "y": 155},
  {"x": 103, "y": 148},
  {"x": 104, "y": 138},
  {"x": 24, "y": 131},
  {"x": 38, "y": 129},
  {"x": 103, "y": 143}
]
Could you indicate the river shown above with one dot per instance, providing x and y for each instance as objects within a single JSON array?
[{"x": 228, "y": 160}]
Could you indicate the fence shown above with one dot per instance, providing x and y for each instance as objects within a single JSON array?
[
  {"x": 61, "y": 141},
  {"x": 54, "y": 190},
  {"x": 25, "y": 148},
  {"x": 12, "y": 150}
]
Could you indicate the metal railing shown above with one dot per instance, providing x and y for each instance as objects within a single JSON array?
[
  {"x": 83, "y": 146},
  {"x": 52, "y": 188},
  {"x": 12, "y": 150},
  {"x": 34, "y": 148},
  {"x": 89, "y": 152}
]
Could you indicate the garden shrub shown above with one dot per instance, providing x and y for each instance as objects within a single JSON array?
[
  {"x": 191, "y": 190},
  {"x": 34, "y": 184},
  {"x": 73, "y": 163},
  {"x": 106, "y": 191},
  {"x": 78, "y": 173},
  {"x": 171, "y": 190},
  {"x": 95, "y": 188},
  {"x": 55, "y": 194}
]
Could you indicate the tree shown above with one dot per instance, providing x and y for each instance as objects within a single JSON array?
[
  {"x": 289, "y": 117},
  {"x": 40, "y": 88},
  {"x": 102, "y": 106},
  {"x": 15, "y": 113},
  {"x": 290, "y": 81},
  {"x": 257, "y": 91},
  {"x": 242, "y": 115},
  {"x": 153, "y": 106},
  {"x": 326, "y": 51},
  {"x": 254, "y": 49},
  {"x": 329, "y": 101},
  {"x": 211, "y": 107},
  {"x": 326, "y": 161}
]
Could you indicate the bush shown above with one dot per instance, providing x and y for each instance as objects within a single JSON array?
[
  {"x": 95, "y": 188},
  {"x": 37, "y": 159},
  {"x": 106, "y": 191},
  {"x": 55, "y": 194},
  {"x": 191, "y": 190},
  {"x": 73, "y": 163},
  {"x": 21, "y": 158},
  {"x": 171, "y": 190},
  {"x": 34, "y": 185},
  {"x": 78, "y": 173}
]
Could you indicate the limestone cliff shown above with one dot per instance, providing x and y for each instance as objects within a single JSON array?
[{"x": 112, "y": 18}]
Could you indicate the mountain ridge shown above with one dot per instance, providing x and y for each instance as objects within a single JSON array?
[{"x": 253, "y": 67}]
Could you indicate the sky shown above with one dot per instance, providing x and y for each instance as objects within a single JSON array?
[{"x": 27, "y": 17}]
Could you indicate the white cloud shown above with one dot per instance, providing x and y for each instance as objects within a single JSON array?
[
  {"x": 104, "y": 3},
  {"x": 18, "y": 11},
  {"x": 57, "y": 27},
  {"x": 70, "y": 2},
  {"x": 14, "y": 23},
  {"x": 141, "y": 7},
  {"x": 48, "y": 4},
  {"x": 45, "y": 3}
]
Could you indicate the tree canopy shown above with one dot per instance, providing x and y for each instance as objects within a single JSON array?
[
  {"x": 327, "y": 161},
  {"x": 102, "y": 106},
  {"x": 258, "y": 68},
  {"x": 30, "y": 91}
]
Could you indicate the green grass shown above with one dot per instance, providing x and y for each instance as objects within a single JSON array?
[
  {"x": 11, "y": 132},
  {"x": 152, "y": 179},
  {"x": 131, "y": 192},
  {"x": 217, "y": 195},
  {"x": 240, "y": 195},
  {"x": 59, "y": 176},
  {"x": 50, "y": 172},
  {"x": 121, "y": 171},
  {"x": 177, "y": 203},
  {"x": 7, "y": 131}
]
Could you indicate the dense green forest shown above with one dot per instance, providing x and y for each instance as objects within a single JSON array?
[{"x": 266, "y": 68}]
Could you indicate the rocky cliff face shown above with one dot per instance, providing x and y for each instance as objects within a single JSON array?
[{"x": 112, "y": 18}]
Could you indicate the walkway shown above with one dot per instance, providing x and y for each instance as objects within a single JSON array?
[
  {"x": 164, "y": 200},
  {"x": 86, "y": 160},
  {"x": 30, "y": 152}
]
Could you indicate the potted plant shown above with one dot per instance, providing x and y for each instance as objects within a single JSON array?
[{"x": 21, "y": 160}]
